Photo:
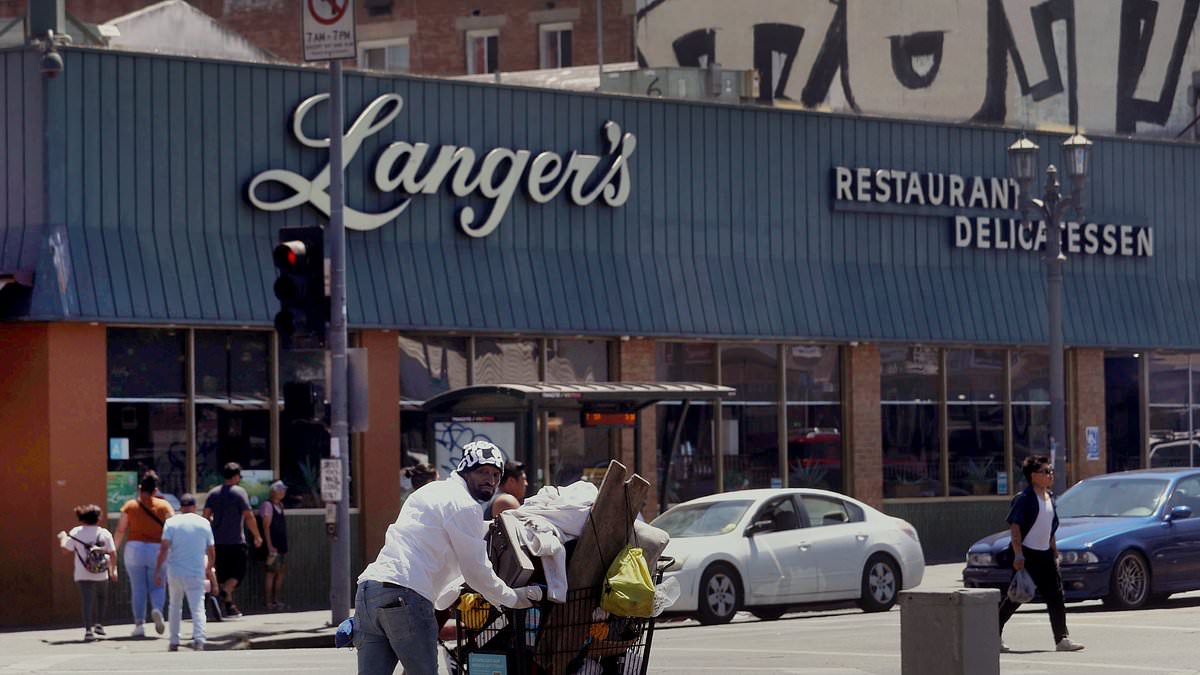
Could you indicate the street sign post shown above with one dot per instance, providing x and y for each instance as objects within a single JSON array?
[
  {"x": 328, "y": 35},
  {"x": 328, "y": 30}
]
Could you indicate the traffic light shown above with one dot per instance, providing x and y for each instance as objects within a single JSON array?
[{"x": 303, "y": 306}]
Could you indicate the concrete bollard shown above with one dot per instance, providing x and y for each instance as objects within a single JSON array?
[{"x": 950, "y": 632}]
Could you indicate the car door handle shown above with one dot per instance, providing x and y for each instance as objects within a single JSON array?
[
  {"x": 860, "y": 537},
  {"x": 803, "y": 546}
]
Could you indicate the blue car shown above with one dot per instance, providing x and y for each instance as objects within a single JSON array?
[{"x": 1125, "y": 538}]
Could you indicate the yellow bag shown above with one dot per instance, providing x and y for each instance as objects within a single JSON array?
[
  {"x": 473, "y": 610},
  {"x": 628, "y": 588}
]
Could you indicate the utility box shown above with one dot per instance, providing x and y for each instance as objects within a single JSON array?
[{"x": 950, "y": 632}]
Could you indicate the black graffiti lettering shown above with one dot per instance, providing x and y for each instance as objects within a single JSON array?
[
  {"x": 833, "y": 58},
  {"x": 1002, "y": 47},
  {"x": 772, "y": 41},
  {"x": 696, "y": 49},
  {"x": 1138, "y": 18},
  {"x": 908, "y": 48}
]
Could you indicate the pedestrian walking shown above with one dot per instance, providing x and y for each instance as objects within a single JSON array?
[
  {"x": 95, "y": 555},
  {"x": 510, "y": 493},
  {"x": 437, "y": 537},
  {"x": 187, "y": 547},
  {"x": 1033, "y": 522},
  {"x": 142, "y": 521},
  {"x": 420, "y": 474},
  {"x": 228, "y": 508},
  {"x": 274, "y": 522}
]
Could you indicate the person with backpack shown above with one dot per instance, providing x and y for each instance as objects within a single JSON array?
[
  {"x": 95, "y": 556},
  {"x": 274, "y": 529},
  {"x": 228, "y": 508},
  {"x": 142, "y": 519}
]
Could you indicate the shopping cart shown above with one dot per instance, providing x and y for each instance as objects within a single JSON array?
[{"x": 581, "y": 639}]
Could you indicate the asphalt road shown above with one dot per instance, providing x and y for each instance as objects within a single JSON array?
[{"x": 845, "y": 641}]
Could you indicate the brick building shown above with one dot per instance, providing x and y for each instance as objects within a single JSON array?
[{"x": 449, "y": 37}]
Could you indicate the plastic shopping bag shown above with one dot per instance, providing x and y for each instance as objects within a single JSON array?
[
  {"x": 1021, "y": 588},
  {"x": 628, "y": 588}
]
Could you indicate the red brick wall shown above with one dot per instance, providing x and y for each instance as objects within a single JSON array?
[
  {"x": 437, "y": 48},
  {"x": 636, "y": 363},
  {"x": 1087, "y": 388},
  {"x": 864, "y": 424}
]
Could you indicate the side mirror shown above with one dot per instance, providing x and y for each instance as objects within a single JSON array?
[
  {"x": 1179, "y": 513},
  {"x": 759, "y": 526}
]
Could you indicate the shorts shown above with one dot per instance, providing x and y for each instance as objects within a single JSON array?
[
  {"x": 279, "y": 563},
  {"x": 231, "y": 562}
]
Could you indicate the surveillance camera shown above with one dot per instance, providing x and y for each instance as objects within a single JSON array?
[{"x": 52, "y": 64}]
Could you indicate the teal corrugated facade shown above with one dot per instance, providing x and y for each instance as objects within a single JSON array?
[{"x": 730, "y": 230}]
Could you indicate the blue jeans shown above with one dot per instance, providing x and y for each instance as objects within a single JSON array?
[
  {"x": 394, "y": 624},
  {"x": 140, "y": 558}
]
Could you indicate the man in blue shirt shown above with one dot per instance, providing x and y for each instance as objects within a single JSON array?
[{"x": 188, "y": 551}]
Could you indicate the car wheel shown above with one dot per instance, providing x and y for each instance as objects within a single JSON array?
[
  {"x": 769, "y": 612},
  {"x": 720, "y": 594},
  {"x": 880, "y": 584},
  {"x": 1130, "y": 586}
]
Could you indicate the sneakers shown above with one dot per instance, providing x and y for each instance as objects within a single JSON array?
[
  {"x": 1065, "y": 645},
  {"x": 138, "y": 631},
  {"x": 157, "y": 617},
  {"x": 198, "y": 646},
  {"x": 98, "y": 629},
  {"x": 231, "y": 611},
  {"x": 172, "y": 647},
  {"x": 1004, "y": 648},
  {"x": 89, "y": 637}
]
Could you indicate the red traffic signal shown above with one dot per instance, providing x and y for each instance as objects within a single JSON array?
[
  {"x": 300, "y": 287},
  {"x": 290, "y": 254}
]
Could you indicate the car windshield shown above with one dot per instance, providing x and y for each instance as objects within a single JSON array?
[
  {"x": 1113, "y": 498},
  {"x": 702, "y": 520}
]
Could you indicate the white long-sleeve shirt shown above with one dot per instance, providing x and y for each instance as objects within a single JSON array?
[{"x": 437, "y": 538}]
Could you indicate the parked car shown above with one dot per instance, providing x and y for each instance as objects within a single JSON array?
[
  {"x": 769, "y": 550},
  {"x": 1126, "y": 538}
]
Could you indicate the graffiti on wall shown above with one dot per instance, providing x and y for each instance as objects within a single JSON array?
[{"x": 1123, "y": 66}]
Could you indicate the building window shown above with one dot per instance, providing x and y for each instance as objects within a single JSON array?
[
  {"x": 483, "y": 51},
  {"x": 503, "y": 361},
  {"x": 147, "y": 414},
  {"x": 1173, "y": 435},
  {"x": 750, "y": 420},
  {"x": 975, "y": 420},
  {"x": 554, "y": 45},
  {"x": 814, "y": 416},
  {"x": 1030, "y": 374},
  {"x": 233, "y": 409},
  {"x": 910, "y": 392},
  {"x": 385, "y": 55},
  {"x": 429, "y": 365},
  {"x": 688, "y": 470},
  {"x": 378, "y": 7},
  {"x": 576, "y": 452}
]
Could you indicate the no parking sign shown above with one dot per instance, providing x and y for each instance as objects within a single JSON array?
[{"x": 328, "y": 27}]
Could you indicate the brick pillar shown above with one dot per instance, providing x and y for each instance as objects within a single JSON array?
[
  {"x": 54, "y": 379},
  {"x": 1086, "y": 410},
  {"x": 863, "y": 423},
  {"x": 636, "y": 363},
  {"x": 379, "y": 465}
]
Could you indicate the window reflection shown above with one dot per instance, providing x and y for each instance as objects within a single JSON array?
[
  {"x": 910, "y": 428},
  {"x": 503, "y": 361},
  {"x": 750, "y": 422}
]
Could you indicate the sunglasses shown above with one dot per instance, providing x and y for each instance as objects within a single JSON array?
[{"x": 1048, "y": 472}]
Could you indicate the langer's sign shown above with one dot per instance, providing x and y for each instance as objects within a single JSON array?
[{"x": 417, "y": 168}]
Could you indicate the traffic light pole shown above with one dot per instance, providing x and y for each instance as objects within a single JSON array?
[{"x": 339, "y": 436}]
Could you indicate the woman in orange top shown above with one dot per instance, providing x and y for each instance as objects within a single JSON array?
[{"x": 142, "y": 520}]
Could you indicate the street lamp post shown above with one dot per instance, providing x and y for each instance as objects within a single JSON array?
[{"x": 1022, "y": 161}]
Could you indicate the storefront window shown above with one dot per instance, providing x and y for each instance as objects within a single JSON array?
[
  {"x": 147, "y": 421},
  {"x": 502, "y": 361},
  {"x": 814, "y": 417},
  {"x": 910, "y": 392},
  {"x": 1123, "y": 410},
  {"x": 430, "y": 365},
  {"x": 750, "y": 423},
  {"x": 975, "y": 420},
  {"x": 303, "y": 442},
  {"x": 1030, "y": 373},
  {"x": 577, "y": 453},
  {"x": 686, "y": 470},
  {"x": 1172, "y": 435},
  {"x": 233, "y": 412}
]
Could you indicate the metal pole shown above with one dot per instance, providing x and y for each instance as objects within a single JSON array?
[
  {"x": 339, "y": 554},
  {"x": 600, "y": 41},
  {"x": 1054, "y": 288}
]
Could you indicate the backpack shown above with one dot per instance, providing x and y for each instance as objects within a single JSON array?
[{"x": 96, "y": 561}]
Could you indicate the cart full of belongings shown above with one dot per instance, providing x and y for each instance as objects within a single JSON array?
[{"x": 602, "y": 571}]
